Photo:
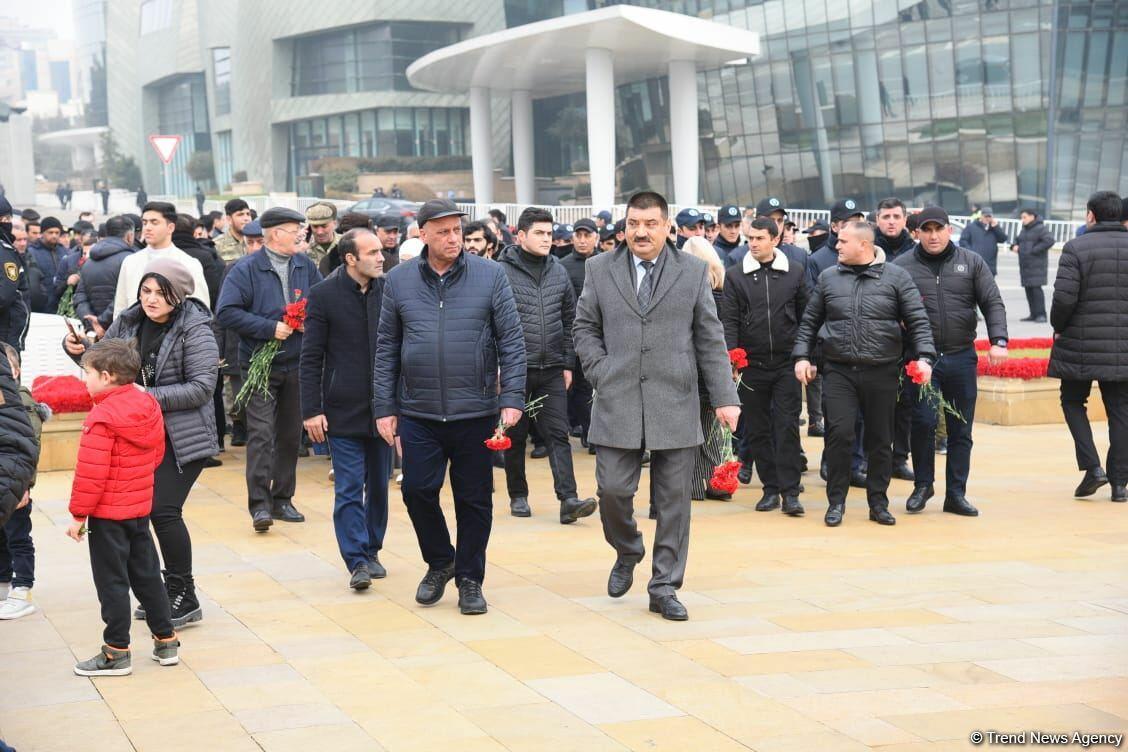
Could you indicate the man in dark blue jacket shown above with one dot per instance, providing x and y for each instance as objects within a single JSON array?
[
  {"x": 97, "y": 282},
  {"x": 251, "y": 303},
  {"x": 447, "y": 323},
  {"x": 48, "y": 253},
  {"x": 338, "y": 351},
  {"x": 983, "y": 236}
]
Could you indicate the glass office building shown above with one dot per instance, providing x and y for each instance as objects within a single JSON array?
[{"x": 1011, "y": 103}]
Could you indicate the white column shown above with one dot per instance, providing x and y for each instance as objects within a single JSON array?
[
  {"x": 684, "y": 146},
  {"x": 481, "y": 144},
  {"x": 601, "y": 125},
  {"x": 524, "y": 172}
]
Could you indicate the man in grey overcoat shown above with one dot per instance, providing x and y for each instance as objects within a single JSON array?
[{"x": 646, "y": 326}]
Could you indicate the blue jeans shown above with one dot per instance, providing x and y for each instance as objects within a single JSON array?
[
  {"x": 360, "y": 508},
  {"x": 17, "y": 551},
  {"x": 955, "y": 376},
  {"x": 427, "y": 447}
]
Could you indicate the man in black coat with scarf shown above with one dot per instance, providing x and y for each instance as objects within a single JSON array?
[{"x": 338, "y": 352}]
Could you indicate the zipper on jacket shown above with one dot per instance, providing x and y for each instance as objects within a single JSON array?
[
  {"x": 540, "y": 310},
  {"x": 768, "y": 292},
  {"x": 442, "y": 360},
  {"x": 857, "y": 313},
  {"x": 940, "y": 307}
]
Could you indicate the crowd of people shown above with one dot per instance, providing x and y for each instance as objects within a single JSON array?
[{"x": 687, "y": 344}]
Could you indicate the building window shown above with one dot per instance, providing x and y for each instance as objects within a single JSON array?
[
  {"x": 155, "y": 15},
  {"x": 385, "y": 132},
  {"x": 183, "y": 111},
  {"x": 221, "y": 79},
  {"x": 367, "y": 58},
  {"x": 224, "y": 159}
]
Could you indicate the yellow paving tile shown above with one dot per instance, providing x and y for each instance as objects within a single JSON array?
[
  {"x": 174, "y": 732},
  {"x": 730, "y": 663},
  {"x": 533, "y": 657},
  {"x": 342, "y": 738},
  {"x": 858, "y": 620},
  {"x": 531, "y": 728},
  {"x": 671, "y": 735},
  {"x": 65, "y": 726}
]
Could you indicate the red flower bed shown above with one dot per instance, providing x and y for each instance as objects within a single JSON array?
[
  {"x": 63, "y": 394},
  {"x": 1016, "y": 368}
]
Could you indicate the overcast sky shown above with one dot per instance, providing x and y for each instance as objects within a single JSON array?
[{"x": 52, "y": 14}]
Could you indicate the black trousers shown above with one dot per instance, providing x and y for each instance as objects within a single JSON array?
[
  {"x": 122, "y": 556},
  {"x": 872, "y": 391},
  {"x": 814, "y": 400},
  {"x": 579, "y": 401},
  {"x": 1114, "y": 394},
  {"x": 1036, "y": 298},
  {"x": 552, "y": 422},
  {"x": 903, "y": 421},
  {"x": 171, "y": 486},
  {"x": 274, "y": 430},
  {"x": 427, "y": 447},
  {"x": 771, "y": 405},
  {"x": 220, "y": 412}
]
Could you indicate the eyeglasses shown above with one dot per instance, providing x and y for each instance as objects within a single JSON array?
[{"x": 300, "y": 230}]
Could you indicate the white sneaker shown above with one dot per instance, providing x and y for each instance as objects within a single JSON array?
[{"x": 17, "y": 604}]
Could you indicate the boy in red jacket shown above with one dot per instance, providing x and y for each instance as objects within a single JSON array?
[{"x": 121, "y": 446}]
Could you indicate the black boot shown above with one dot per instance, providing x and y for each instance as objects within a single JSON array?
[
  {"x": 918, "y": 498},
  {"x": 519, "y": 507},
  {"x": 792, "y": 507},
  {"x": 834, "y": 514},
  {"x": 768, "y": 502},
  {"x": 1119, "y": 492},
  {"x": 573, "y": 509},
  {"x": 902, "y": 471},
  {"x": 857, "y": 479},
  {"x": 287, "y": 513},
  {"x": 1094, "y": 479},
  {"x": 959, "y": 505},
  {"x": 881, "y": 516},
  {"x": 182, "y": 600}
]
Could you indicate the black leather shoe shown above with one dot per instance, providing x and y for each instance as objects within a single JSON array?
[
  {"x": 1093, "y": 480},
  {"x": 918, "y": 498},
  {"x": 716, "y": 495},
  {"x": 361, "y": 578},
  {"x": 1119, "y": 492},
  {"x": 745, "y": 474},
  {"x": 857, "y": 479},
  {"x": 881, "y": 516},
  {"x": 261, "y": 520},
  {"x": 903, "y": 472},
  {"x": 577, "y": 432},
  {"x": 653, "y": 513},
  {"x": 768, "y": 502},
  {"x": 670, "y": 607},
  {"x": 834, "y": 514},
  {"x": 621, "y": 578},
  {"x": 433, "y": 585},
  {"x": 645, "y": 458},
  {"x": 1039, "y": 319},
  {"x": 498, "y": 460},
  {"x": 213, "y": 462},
  {"x": 791, "y": 506},
  {"x": 287, "y": 513},
  {"x": 591, "y": 448},
  {"x": 519, "y": 507},
  {"x": 802, "y": 462},
  {"x": 376, "y": 569},
  {"x": 941, "y": 444},
  {"x": 959, "y": 505},
  {"x": 539, "y": 452},
  {"x": 816, "y": 429},
  {"x": 573, "y": 509},
  {"x": 470, "y": 598}
]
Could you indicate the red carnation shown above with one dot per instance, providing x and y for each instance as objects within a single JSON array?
[
  {"x": 499, "y": 442},
  {"x": 738, "y": 357}
]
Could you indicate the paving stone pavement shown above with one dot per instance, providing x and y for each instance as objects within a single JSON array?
[{"x": 801, "y": 637}]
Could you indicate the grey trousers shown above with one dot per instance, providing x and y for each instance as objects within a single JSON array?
[{"x": 617, "y": 473}]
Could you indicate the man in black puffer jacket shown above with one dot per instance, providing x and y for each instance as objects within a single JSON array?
[
  {"x": 585, "y": 238},
  {"x": 856, "y": 315},
  {"x": 763, "y": 303},
  {"x": 953, "y": 282},
  {"x": 19, "y": 453},
  {"x": 201, "y": 250},
  {"x": 1033, "y": 246},
  {"x": 1089, "y": 315},
  {"x": 546, "y": 304},
  {"x": 447, "y": 322},
  {"x": 97, "y": 283}
]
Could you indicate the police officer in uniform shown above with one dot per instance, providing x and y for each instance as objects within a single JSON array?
[{"x": 13, "y": 284}]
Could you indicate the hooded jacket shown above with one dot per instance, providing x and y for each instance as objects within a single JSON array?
[
  {"x": 122, "y": 444},
  {"x": 97, "y": 282}
]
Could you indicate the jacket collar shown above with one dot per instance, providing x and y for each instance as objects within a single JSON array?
[
  {"x": 429, "y": 275},
  {"x": 623, "y": 276},
  {"x": 1106, "y": 227},
  {"x": 875, "y": 267},
  {"x": 101, "y": 397},
  {"x": 779, "y": 263}
]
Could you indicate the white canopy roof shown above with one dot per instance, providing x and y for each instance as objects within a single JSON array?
[{"x": 547, "y": 58}]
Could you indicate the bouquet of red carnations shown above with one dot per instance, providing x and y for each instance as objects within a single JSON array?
[
  {"x": 929, "y": 392},
  {"x": 724, "y": 479},
  {"x": 738, "y": 358},
  {"x": 258, "y": 374},
  {"x": 499, "y": 442}
]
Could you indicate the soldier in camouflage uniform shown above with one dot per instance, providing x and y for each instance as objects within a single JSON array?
[
  {"x": 231, "y": 246},
  {"x": 322, "y": 220}
]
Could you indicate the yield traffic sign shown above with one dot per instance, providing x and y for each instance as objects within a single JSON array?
[{"x": 165, "y": 146}]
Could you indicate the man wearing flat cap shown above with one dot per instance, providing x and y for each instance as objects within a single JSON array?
[
  {"x": 388, "y": 231},
  {"x": 322, "y": 220},
  {"x": 448, "y": 328},
  {"x": 251, "y": 304}
]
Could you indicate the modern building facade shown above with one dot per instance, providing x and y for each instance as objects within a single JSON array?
[
  {"x": 1004, "y": 102},
  {"x": 266, "y": 88}
]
